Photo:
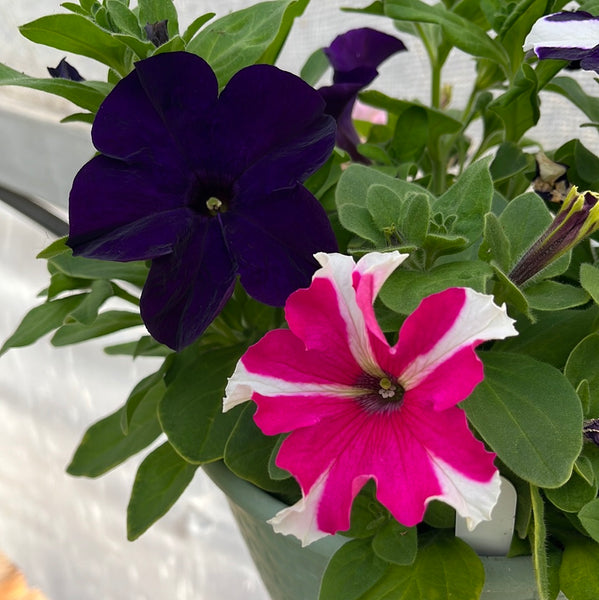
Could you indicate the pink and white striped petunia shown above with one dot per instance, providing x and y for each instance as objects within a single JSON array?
[{"x": 359, "y": 409}]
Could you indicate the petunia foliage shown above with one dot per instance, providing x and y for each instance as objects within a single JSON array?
[{"x": 395, "y": 297}]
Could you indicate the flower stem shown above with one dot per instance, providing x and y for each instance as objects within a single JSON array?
[{"x": 539, "y": 543}]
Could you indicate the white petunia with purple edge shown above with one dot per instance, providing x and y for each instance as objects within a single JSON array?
[
  {"x": 357, "y": 408},
  {"x": 567, "y": 35}
]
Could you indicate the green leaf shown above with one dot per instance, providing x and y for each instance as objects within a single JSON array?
[
  {"x": 508, "y": 162},
  {"x": 294, "y": 10},
  {"x": 579, "y": 570},
  {"x": 411, "y": 134},
  {"x": 552, "y": 337},
  {"x": 351, "y": 196},
  {"x": 191, "y": 411},
  {"x": 134, "y": 272},
  {"x": 104, "y": 445},
  {"x": 438, "y": 122},
  {"x": 518, "y": 23},
  {"x": 154, "y": 11},
  {"x": 41, "y": 320},
  {"x": 58, "y": 246},
  {"x": 458, "y": 30},
  {"x": 106, "y": 322},
  {"x": 84, "y": 94},
  {"x": 571, "y": 89},
  {"x": 518, "y": 107},
  {"x": 589, "y": 280},
  {"x": 145, "y": 346},
  {"x": 315, "y": 67},
  {"x": 150, "y": 389},
  {"x": 495, "y": 246},
  {"x": 583, "y": 365},
  {"x": 124, "y": 19},
  {"x": 573, "y": 495},
  {"x": 161, "y": 479},
  {"x": 404, "y": 290},
  {"x": 551, "y": 295},
  {"x": 352, "y": 571},
  {"x": 195, "y": 26},
  {"x": 78, "y": 34},
  {"x": 87, "y": 311},
  {"x": 589, "y": 517},
  {"x": 469, "y": 198},
  {"x": 396, "y": 543},
  {"x": 520, "y": 409},
  {"x": 445, "y": 567},
  {"x": 240, "y": 38},
  {"x": 248, "y": 453}
]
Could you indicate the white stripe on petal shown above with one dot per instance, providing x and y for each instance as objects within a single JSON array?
[
  {"x": 338, "y": 269},
  {"x": 300, "y": 519},
  {"x": 242, "y": 384},
  {"x": 472, "y": 500},
  {"x": 480, "y": 319},
  {"x": 577, "y": 33}
]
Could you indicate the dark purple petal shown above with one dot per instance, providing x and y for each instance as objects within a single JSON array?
[
  {"x": 163, "y": 108},
  {"x": 65, "y": 71},
  {"x": 355, "y": 57},
  {"x": 281, "y": 118},
  {"x": 273, "y": 240},
  {"x": 340, "y": 99},
  {"x": 361, "y": 48},
  {"x": 567, "y": 15},
  {"x": 120, "y": 211},
  {"x": 187, "y": 289}
]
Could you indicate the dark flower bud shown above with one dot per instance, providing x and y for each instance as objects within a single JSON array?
[
  {"x": 65, "y": 71},
  {"x": 157, "y": 32}
]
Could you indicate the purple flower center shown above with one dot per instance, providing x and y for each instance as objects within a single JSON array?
[{"x": 380, "y": 394}]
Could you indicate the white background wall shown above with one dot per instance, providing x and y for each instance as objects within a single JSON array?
[{"x": 68, "y": 534}]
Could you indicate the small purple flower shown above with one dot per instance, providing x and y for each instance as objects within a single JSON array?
[
  {"x": 207, "y": 187},
  {"x": 571, "y": 36},
  {"x": 65, "y": 71},
  {"x": 355, "y": 57}
]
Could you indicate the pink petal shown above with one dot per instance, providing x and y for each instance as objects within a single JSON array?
[
  {"x": 326, "y": 316},
  {"x": 443, "y": 325},
  {"x": 413, "y": 457},
  {"x": 279, "y": 365}
]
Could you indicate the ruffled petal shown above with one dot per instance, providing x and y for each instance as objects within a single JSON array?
[
  {"x": 124, "y": 212},
  {"x": 273, "y": 239},
  {"x": 444, "y": 324},
  {"x": 187, "y": 289},
  {"x": 278, "y": 133},
  {"x": 163, "y": 107},
  {"x": 361, "y": 48},
  {"x": 327, "y": 316}
]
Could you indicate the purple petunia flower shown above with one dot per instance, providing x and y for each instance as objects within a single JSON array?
[
  {"x": 572, "y": 36},
  {"x": 354, "y": 56},
  {"x": 207, "y": 187}
]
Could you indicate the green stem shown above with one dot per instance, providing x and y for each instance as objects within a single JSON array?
[{"x": 539, "y": 543}]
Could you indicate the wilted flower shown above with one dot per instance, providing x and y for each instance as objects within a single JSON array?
[
  {"x": 358, "y": 409},
  {"x": 577, "y": 218},
  {"x": 571, "y": 36},
  {"x": 206, "y": 187},
  {"x": 355, "y": 57}
]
